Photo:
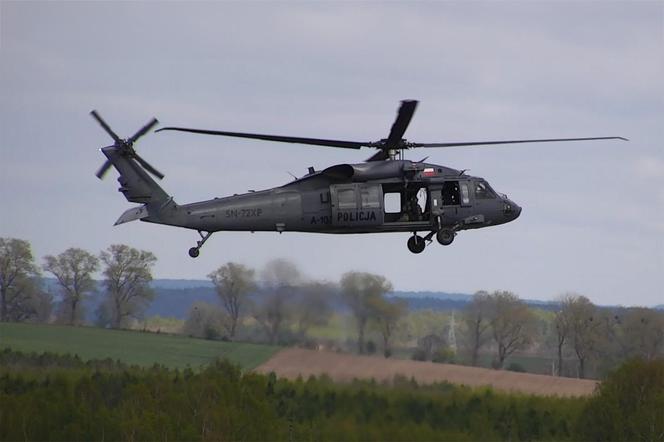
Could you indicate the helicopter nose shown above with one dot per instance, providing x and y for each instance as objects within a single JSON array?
[
  {"x": 517, "y": 210},
  {"x": 511, "y": 209}
]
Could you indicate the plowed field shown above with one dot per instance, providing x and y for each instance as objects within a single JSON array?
[{"x": 293, "y": 362}]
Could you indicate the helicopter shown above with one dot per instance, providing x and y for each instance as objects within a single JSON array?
[{"x": 386, "y": 193}]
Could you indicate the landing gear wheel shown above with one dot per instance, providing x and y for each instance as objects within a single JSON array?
[
  {"x": 195, "y": 251},
  {"x": 445, "y": 236},
  {"x": 416, "y": 244}
]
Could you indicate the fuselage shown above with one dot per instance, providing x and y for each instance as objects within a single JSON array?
[{"x": 390, "y": 196}]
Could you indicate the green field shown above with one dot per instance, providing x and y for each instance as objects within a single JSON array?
[{"x": 132, "y": 347}]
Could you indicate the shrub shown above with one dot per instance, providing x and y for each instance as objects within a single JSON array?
[
  {"x": 444, "y": 356},
  {"x": 204, "y": 321},
  {"x": 515, "y": 366},
  {"x": 419, "y": 355}
]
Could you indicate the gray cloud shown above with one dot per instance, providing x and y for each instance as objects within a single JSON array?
[{"x": 592, "y": 219}]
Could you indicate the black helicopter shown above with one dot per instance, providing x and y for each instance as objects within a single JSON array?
[{"x": 387, "y": 193}]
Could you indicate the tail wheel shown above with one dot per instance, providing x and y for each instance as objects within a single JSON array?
[
  {"x": 445, "y": 236},
  {"x": 194, "y": 252},
  {"x": 416, "y": 244}
]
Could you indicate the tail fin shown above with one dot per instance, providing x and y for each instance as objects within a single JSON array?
[{"x": 135, "y": 183}]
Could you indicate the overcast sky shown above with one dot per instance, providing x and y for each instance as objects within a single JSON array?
[{"x": 593, "y": 212}]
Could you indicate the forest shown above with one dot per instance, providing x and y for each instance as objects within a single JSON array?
[{"x": 59, "y": 397}]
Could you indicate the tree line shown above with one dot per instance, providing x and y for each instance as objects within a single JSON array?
[
  {"x": 280, "y": 299},
  {"x": 577, "y": 328},
  {"x": 126, "y": 272},
  {"x": 60, "y": 397},
  {"x": 285, "y": 304},
  {"x": 278, "y": 304}
]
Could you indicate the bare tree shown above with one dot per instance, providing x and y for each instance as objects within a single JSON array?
[
  {"x": 563, "y": 325},
  {"x": 204, "y": 321},
  {"x": 127, "y": 274},
  {"x": 313, "y": 306},
  {"x": 643, "y": 332},
  {"x": 272, "y": 310},
  {"x": 234, "y": 283},
  {"x": 73, "y": 270},
  {"x": 387, "y": 315},
  {"x": 358, "y": 290},
  {"x": 19, "y": 290},
  {"x": 476, "y": 321},
  {"x": 272, "y": 313},
  {"x": 585, "y": 324},
  {"x": 511, "y": 324}
]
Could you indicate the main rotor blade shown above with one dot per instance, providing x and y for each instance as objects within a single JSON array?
[
  {"x": 486, "y": 143},
  {"x": 148, "y": 167},
  {"x": 106, "y": 127},
  {"x": 404, "y": 115},
  {"x": 279, "y": 138},
  {"x": 145, "y": 129},
  {"x": 103, "y": 169}
]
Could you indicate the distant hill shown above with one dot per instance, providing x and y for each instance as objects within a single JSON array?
[
  {"x": 176, "y": 303},
  {"x": 174, "y": 298},
  {"x": 179, "y": 284},
  {"x": 463, "y": 297}
]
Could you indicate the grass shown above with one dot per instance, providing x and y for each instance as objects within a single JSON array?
[{"x": 132, "y": 347}]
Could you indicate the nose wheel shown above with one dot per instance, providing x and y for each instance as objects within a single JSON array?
[
  {"x": 416, "y": 243},
  {"x": 195, "y": 251}
]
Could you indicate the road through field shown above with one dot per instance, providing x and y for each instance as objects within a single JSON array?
[{"x": 293, "y": 362}]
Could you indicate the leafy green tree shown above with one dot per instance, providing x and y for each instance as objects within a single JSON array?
[
  {"x": 20, "y": 294},
  {"x": 234, "y": 283},
  {"x": 628, "y": 405},
  {"x": 360, "y": 291},
  {"x": 73, "y": 270},
  {"x": 127, "y": 275}
]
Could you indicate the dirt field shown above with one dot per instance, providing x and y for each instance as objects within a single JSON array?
[{"x": 293, "y": 362}]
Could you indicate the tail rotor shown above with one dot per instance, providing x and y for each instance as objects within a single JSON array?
[{"x": 126, "y": 147}]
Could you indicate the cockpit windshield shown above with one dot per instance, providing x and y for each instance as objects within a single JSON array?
[{"x": 484, "y": 191}]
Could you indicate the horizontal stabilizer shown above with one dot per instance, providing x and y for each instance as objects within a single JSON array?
[{"x": 132, "y": 214}]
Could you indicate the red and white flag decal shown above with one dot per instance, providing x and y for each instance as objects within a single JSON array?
[{"x": 429, "y": 171}]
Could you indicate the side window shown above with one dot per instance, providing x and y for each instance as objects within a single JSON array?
[
  {"x": 451, "y": 193},
  {"x": 370, "y": 197},
  {"x": 483, "y": 191},
  {"x": 347, "y": 199},
  {"x": 465, "y": 197},
  {"x": 393, "y": 202}
]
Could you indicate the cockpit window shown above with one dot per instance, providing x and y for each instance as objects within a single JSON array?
[{"x": 483, "y": 190}]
